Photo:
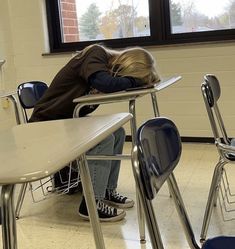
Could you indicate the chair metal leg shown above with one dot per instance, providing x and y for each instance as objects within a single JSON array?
[
  {"x": 213, "y": 193},
  {"x": 148, "y": 211},
  {"x": 20, "y": 199},
  {"x": 179, "y": 204},
  {"x": 141, "y": 220},
  {"x": 9, "y": 236}
]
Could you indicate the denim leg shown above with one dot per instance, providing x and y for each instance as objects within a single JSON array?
[
  {"x": 119, "y": 139},
  {"x": 100, "y": 169}
]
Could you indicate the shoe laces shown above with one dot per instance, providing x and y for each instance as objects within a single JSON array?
[
  {"x": 116, "y": 195},
  {"x": 104, "y": 208}
]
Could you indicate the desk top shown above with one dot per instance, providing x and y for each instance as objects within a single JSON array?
[
  {"x": 126, "y": 95},
  {"x": 29, "y": 152}
]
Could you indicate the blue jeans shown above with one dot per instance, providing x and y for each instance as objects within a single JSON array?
[{"x": 104, "y": 173}]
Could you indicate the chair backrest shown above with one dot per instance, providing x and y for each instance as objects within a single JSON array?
[
  {"x": 211, "y": 93},
  {"x": 156, "y": 154},
  {"x": 159, "y": 149},
  {"x": 29, "y": 93},
  {"x": 154, "y": 157}
]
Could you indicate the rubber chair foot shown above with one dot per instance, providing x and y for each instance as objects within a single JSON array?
[
  {"x": 142, "y": 241},
  {"x": 202, "y": 241}
]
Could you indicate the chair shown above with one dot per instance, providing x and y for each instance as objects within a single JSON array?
[
  {"x": 226, "y": 147},
  {"x": 64, "y": 181},
  {"x": 154, "y": 157},
  {"x": 29, "y": 93}
]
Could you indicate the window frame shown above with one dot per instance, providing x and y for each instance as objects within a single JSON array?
[{"x": 160, "y": 28}]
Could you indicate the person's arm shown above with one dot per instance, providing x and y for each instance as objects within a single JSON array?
[{"x": 104, "y": 82}]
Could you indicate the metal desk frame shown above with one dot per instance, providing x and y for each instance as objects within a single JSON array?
[{"x": 126, "y": 96}]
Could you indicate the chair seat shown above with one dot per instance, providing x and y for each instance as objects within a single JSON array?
[{"x": 221, "y": 242}]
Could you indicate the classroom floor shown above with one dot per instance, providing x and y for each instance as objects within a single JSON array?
[{"x": 54, "y": 223}]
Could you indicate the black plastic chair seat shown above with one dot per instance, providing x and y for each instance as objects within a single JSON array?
[{"x": 221, "y": 242}]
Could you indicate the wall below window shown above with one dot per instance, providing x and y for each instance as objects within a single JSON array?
[{"x": 23, "y": 40}]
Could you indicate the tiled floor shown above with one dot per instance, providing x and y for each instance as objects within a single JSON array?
[{"x": 54, "y": 223}]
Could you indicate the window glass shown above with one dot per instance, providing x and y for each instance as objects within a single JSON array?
[
  {"x": 103, "y": 19},
  {"x": 187, "y": 16}
]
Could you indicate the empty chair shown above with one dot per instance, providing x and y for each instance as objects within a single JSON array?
[
  {"x": 154, "y": 157},
  {"x": 211, "y": 94},
  {"x": 64, "y": 181},
  {"x": 29, "y": 93}
]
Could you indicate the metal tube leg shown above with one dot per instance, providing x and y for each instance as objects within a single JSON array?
[
  {"x": 90, "y": 201},
  {"x": 211, "y": 198},
  {"x": 154, "y": 233},
  {"x": 20, "y": 199},
  {"x": 141, "y": 220},
  {"x": 179, "y": 204},
  {"x": 152, "y": 225},
  {"x": 9, "y": 236},
  {"x": 155, "y": 105}
]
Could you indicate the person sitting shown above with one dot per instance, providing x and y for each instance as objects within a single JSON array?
[{"x": 98, "y": 69}]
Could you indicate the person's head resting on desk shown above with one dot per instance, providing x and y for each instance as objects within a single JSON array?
[{"x": 133, "y": 62}]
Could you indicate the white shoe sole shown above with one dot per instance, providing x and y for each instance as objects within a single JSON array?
[
  {"x": 118, "y": 205},
  {"x": 119, "y": 217}
]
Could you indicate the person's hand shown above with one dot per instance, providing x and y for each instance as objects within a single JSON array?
[{"x": 93, "y": 91}]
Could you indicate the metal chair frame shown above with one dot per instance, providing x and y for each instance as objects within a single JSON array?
[
  {"x": 28, "y": 94},
  {"x": 211, "y": 93},
  {"x": 150, "y": 175}
]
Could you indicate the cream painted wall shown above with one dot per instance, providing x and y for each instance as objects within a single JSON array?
[{"x": 23, "y": 40}]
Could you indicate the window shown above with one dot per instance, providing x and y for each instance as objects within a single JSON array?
[{"x": 74, "y": 24}]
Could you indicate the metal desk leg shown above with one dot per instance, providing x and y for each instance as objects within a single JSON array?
[
  {"x": 157, "y": 114},
  {"x": 20, "y": 199},
  {"x": 90, "y": 201},
  {"x": 155, "y": 105},
  {"x": 9, "y": 236},
  {"x": 140, "y": 212}
]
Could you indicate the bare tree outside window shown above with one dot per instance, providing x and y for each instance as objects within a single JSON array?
[
  {"x": 199, "y": 15},
  {"x": 111, "y": 19}
]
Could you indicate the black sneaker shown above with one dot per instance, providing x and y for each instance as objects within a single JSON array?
[
  {"x": 105, "y": 212},
  {"x": 114, "y": 199}
]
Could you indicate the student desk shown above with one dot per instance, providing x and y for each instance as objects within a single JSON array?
[
  {"x": 130, "y": 97},
  {"x": 126, "y": 96},
  {"x": 33, "y": 151}
]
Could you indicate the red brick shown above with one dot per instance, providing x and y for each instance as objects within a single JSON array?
[
  {"x": 70, "y": 38},
  {"x": 69, "y": 14}
]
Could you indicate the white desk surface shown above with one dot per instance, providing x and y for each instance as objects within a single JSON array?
[
  {"x": 124, "y": 95},
  {"x": 29, "y": 152}
]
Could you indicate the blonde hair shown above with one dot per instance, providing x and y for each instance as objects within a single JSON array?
[{"x": 134, "y": 62}]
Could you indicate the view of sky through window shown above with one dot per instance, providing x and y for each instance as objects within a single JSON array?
[
  {"x": 201, "y": 15},
  {"x": 111, "y": 19}
]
